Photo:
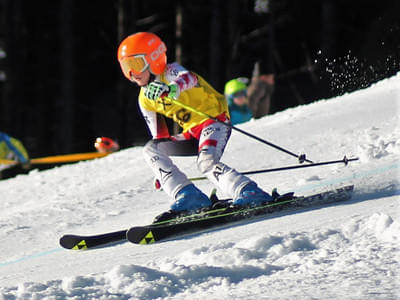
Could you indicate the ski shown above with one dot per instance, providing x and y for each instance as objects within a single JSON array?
[
  {"x": 82, "y": 242},
  {"x": 201, "y": 221},
  {"x": 212, "y": 219}
]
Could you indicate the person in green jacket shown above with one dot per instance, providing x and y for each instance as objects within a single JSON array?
[
  {"x": 236, "y": 94},
  {"x": 12, "y": 149}
]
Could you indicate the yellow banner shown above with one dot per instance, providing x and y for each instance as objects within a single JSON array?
[
  {"x": 7, "y": 162},
  {"x": 67, "y": 158},
  {"x": 59, "y": 158}
]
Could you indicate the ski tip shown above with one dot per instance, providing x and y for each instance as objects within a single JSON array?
[{"x": 72, "y": 242}]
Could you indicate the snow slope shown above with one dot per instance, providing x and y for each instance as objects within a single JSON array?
[{"x": 343, "y": 251}]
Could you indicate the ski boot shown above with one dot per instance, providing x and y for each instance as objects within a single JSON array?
[
  {"x": 188, "y": 200},
  {"x": 252, "y": 195}
]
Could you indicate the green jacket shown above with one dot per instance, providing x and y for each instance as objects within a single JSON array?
[{"x": 11, "y": 148}]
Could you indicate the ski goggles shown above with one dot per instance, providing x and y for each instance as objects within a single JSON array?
[
  {"x": 239, "y": 94},
  {"x": 136, "y": 64}
]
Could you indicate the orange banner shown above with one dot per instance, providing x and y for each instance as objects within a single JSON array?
[
  {"x": 59, "y": 158},
  {"x": 7, "y": 162}
]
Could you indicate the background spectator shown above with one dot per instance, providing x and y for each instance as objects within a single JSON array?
[
  {"x": 13, "y": 149},
  {"x": 236, "y": 94}
]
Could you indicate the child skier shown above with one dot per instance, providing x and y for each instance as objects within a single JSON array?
[{"x": 143, "y": 60}]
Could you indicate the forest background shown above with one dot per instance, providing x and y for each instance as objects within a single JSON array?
[{"x": 61, "y": 84}]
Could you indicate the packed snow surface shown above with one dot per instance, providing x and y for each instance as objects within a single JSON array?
[{"x": 346, "y": 250}]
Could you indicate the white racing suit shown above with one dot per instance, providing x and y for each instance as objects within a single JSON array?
[{"x": 201, "y": 136}]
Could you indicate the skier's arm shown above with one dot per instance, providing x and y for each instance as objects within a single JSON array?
[
  {"x": 179, "y": 79},
  {"x": 156, "y": 123}
]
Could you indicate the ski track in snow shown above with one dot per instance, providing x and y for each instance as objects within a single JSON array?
[{"x": 341, "y": 251}]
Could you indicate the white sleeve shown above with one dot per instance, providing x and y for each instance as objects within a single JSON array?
[
  {"x": 155, "y": 122},
  {"x": 185, "y": 79}
]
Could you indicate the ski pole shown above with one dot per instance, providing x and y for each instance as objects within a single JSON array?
[
  {"x": 301, "y": 157},
  {"x": 345, "y": 160}
]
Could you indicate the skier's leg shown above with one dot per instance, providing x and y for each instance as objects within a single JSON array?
[
  {"x": 212, "y": 143},
  {"x": 174, "y": 182}
]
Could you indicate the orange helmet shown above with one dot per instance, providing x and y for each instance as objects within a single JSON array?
[
  {"x": 141, "y": 51},
  {"x": 105, "y": 144}
]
